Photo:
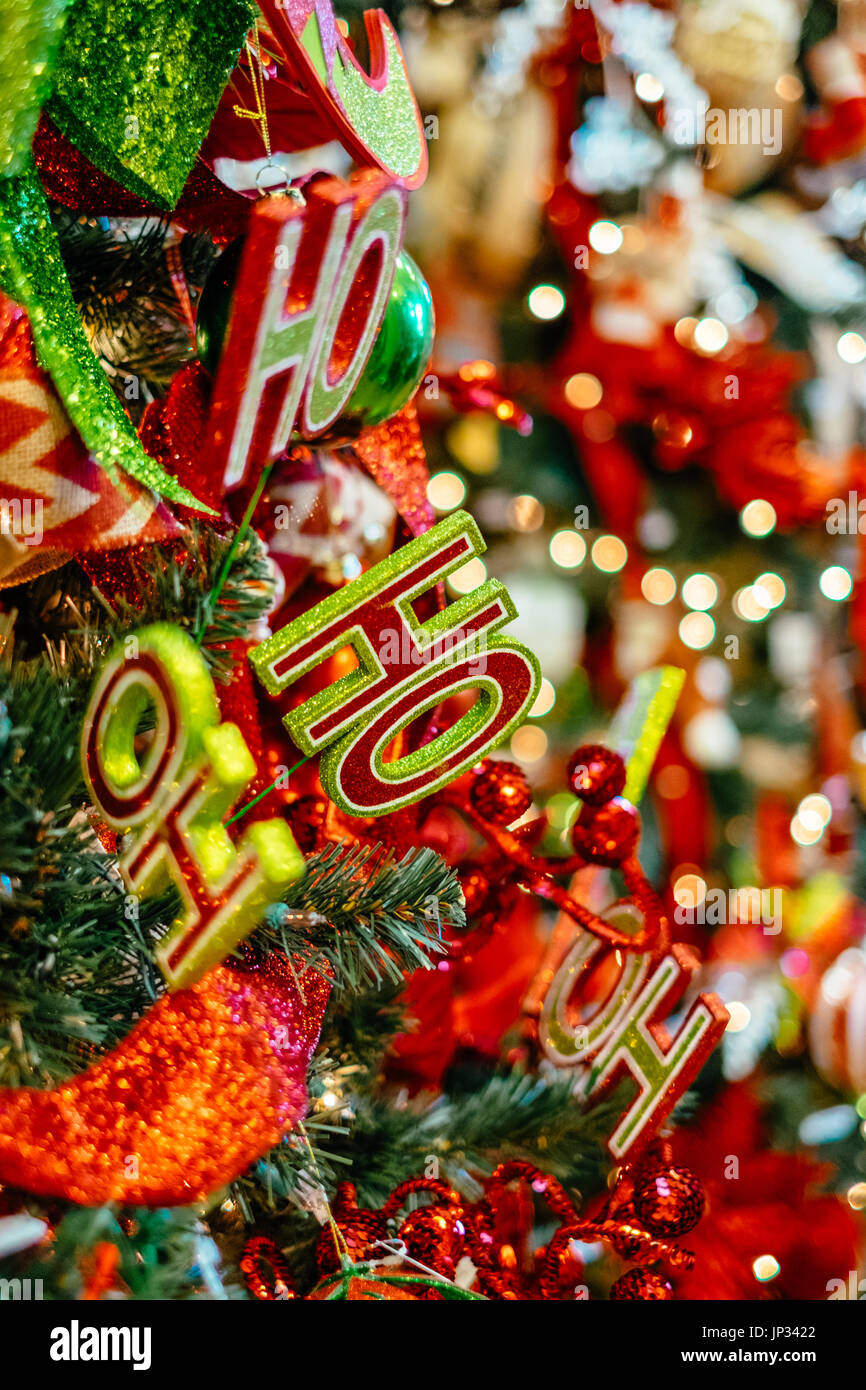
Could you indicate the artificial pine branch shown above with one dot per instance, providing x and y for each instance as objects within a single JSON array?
[
  {"x": 121, "y": 281},
  {"x": 65, "y": 617},
  {"x": 513, "y": 1116},
  {"x": 177, "y": 586},
  {"x": 159, "y": 1254},
  {"x": 378, "y": 917}
]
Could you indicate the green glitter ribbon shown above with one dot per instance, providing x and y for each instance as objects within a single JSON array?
[
  {"x": 30, "y": 35},
  {"x": 136, "y": 85},
  {"x": 32, "y": 273},
  {"x": 639, "y": 725}
]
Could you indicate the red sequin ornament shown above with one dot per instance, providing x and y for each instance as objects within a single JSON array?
[
  {"x": 359, "y": 1227},
  {"x": 596, "y": 774},
  {"x": 499, "y": 791},
  {"x": 669, "y": 1202},
  {"x": 607, "y": 834},
  {"x": 641, "y": 1285},
  {"x": 265, "y": 1271},
  {"x": 561, "y": 1274},
  {"x": 434, "y": 1236},
  {"x": 627, "y": 1240}
]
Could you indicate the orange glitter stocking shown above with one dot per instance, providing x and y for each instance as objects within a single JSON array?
[{"x": 205, "y": 1083}]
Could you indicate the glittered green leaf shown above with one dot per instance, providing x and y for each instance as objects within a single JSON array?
[
  {"x": 136, "y": 85},
  {"x": 32, "y": 273},
  {"x": 30, "y": 35}
]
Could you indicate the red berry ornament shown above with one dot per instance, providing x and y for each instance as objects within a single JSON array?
[
  {"x": 641, "y": 1285},
  {"x": 499, "y": 792},
  {"x": 669, "y": 1202},
  {"x": 607, "y": 834},
  {"x": 596, "y": 774}
]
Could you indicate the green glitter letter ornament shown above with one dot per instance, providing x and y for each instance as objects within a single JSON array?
[
  {"x": 178, "y": 798},
  {"x": 375, "y": 114},
  {"x": 404, "y": 669}
]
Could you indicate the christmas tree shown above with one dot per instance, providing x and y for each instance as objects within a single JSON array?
[{"x": 431, "y": 766}]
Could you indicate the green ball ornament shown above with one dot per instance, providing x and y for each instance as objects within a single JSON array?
[
  {"x": 400, "y": 354},
  {"x": 214, "y": 306},
  {"x": 393, "y": 371}
]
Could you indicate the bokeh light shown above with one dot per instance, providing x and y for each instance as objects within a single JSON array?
[
  {"x": 836, "y": 583},
  {"x": 658, "y": 586},
  {"x": 469, "y": 576},
  {"x": 605, "y": 237},
  {"x": 700, "y": 591},
  {"x": 609, "y": 554},
  {"x": 697, "y": 630},
  {"x": 851, "y": 347},
  {"x": 567, "y": 549},
  {"x": 583, "y": 391},
  {"x": 529, "y": 744},
  {"x": 525, "y": 513},
  {"x": 758, "y": 518},
  {"x": 445, "y": 491},
  {"x": 546, "y": 302},
  {"x": 544, "y": 700}
]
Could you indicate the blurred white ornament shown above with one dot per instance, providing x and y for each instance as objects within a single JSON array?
[
  {"x": 837, "y": 1029},
  {"x": 609, "y": 154},
  {"x": 642, "y": 37},
  {"x": 711, "y": 739},
  {"x": 794, "y": 647},
  {"x": 551, "y": 618},
  {"x": 774, "y": 236}
]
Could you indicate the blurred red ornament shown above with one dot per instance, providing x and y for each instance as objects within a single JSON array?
[
  {"x": 775, "y": 1207},
  {"x": 307, "y": 819},
  {"x": 477, "y": 386},
  {"x": 596, "y": 774},
  {"x": 642, "y": 1285},
  {"x": 323, "y": 518},
  {"x": 607, "y": 834},
  {"x": 499, "y": 791},
  {"x": 669, "y": 1202},
  {"x": 477, "y": 891}
]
